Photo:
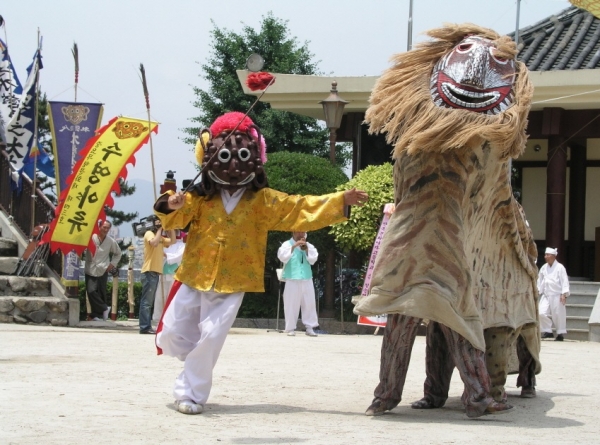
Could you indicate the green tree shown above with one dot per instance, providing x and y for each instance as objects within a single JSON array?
[
  {"x": 359, "y": 232},
  {"x": 282, "y": 53},
  {"x": 118, "y": 217},
  {"x": 301, "y": 174}
]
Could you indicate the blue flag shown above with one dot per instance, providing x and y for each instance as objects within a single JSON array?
[
  {"x": 72, "y": 125},
  {"x": 20, "y": 131}
]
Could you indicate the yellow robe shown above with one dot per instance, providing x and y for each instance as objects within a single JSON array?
[{"x": 228, "y": 251}]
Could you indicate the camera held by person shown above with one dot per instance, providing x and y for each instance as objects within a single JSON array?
[{"x": 151, "y": 223}]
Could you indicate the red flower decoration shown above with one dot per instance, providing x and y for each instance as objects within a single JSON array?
[{"x": 259, "y": 81}]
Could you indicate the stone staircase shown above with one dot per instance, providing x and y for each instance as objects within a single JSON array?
[
  {"x": 31, "y": 300},
  {"x": 579, "y": 308}
]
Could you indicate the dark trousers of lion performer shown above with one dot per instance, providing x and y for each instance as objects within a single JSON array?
[
  {"x": 499, "y": 342},
  {"x": 452, "y": 350}
]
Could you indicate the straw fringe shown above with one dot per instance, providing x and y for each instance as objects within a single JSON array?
[{"x": 401, "y": 104}]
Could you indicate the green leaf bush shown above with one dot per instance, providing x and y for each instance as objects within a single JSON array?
[
  {"x": 359, "y": 232},
  {"x": 294, "y": 174}
]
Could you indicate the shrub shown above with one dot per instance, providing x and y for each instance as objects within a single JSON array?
[{"x": 359, "y": 232}]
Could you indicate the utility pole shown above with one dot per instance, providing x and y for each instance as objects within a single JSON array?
[{"x": 410, "y": 23}]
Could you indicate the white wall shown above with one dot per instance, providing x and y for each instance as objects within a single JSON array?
[
  {"x": 534, "y": 190},
  {"x": 592, "y": 202},
  {"x": 534, "y": 200}
]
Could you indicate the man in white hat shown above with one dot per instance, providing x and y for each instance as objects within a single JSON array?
[{"x": 553, "y": 286}]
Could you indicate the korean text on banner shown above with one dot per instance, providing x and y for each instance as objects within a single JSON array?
[
  {"x": 10, "y": 90},
  {"x": 103, "y": 161},
  {"x": 72, "y": 124},
  {"x": 20, "y": 128},
  {"x": 377, "y": 320}
]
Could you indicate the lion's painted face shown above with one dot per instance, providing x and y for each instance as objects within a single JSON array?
[
  {"x": 129, "y": 129},
  {"x": 474, "y": 78},
  {"x": 75, "y": 113},
  {"x": 236, "y": 164}
]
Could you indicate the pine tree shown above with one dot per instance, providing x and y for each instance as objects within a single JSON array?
[
  {"x": 118, "y": 217},
  {"x": 283, "y": 131}
]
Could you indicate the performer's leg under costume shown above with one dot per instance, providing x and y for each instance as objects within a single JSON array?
[
  {"x": 470, "y": 363},
  {"x": 396, "y": 348},
  {"x": 499, "y": 341},
  {"x": 438, "y": 368},
  {"x": 195, "y": 327},
  {"x": 398, "y": 340},
  {"x": 526, "y": 378}
]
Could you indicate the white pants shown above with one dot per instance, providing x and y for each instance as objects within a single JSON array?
[
  {"x": 297, "y": 295},
  {"x": 164, "y": 284},
  {"x": 195, "y": 327},
  {"x": 552, "y": 310}
]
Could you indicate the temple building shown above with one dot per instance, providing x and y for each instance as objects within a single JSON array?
[{"x": 557, "y": 179}]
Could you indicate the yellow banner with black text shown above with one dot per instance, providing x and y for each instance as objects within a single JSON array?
[{"x": 103, "y": 161}]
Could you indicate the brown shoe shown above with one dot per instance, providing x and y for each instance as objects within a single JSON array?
[
  {"x": 498, "y": 408},
  {"x": 424, "y": 403},
  {"x": 380, "y": 406},
  {"x": 528, "y": 392}
]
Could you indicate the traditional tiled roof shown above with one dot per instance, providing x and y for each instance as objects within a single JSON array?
[{"x": 569, "y": 40}]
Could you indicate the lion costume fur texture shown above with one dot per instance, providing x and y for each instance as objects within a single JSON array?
[{"x": 457, "y": 249}]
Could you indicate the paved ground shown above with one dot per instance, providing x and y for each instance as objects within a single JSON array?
[{"x": 99, "y": 386}]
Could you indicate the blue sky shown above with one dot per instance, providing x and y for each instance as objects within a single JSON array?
[{"x": 171, "y": 39}]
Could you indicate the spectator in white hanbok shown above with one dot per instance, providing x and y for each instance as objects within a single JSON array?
[
  {"x": 298, "y": 256},
  {"x": 553, "y": 286}
]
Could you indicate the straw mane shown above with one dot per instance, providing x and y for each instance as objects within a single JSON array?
[{"x": 401, "y": 103}]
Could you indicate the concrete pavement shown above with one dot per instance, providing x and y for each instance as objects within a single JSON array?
[{"x": 107, "y": 386}]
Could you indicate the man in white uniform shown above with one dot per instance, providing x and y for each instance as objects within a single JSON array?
[
  {"x": 553, "y": 286},
  {"x": 298, "y": 255}
]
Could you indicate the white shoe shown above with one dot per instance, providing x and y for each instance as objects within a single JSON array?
[
  {"x": 291, "y": 333},
  {"x": 310, "y": 332},
  {"x": 96, "y": 319},
  {"x": 189, "y": 407},
  {"x": 105, "y": 313}
]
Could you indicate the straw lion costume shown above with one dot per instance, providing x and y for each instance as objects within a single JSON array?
[{"x": 458, "y": 250}]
